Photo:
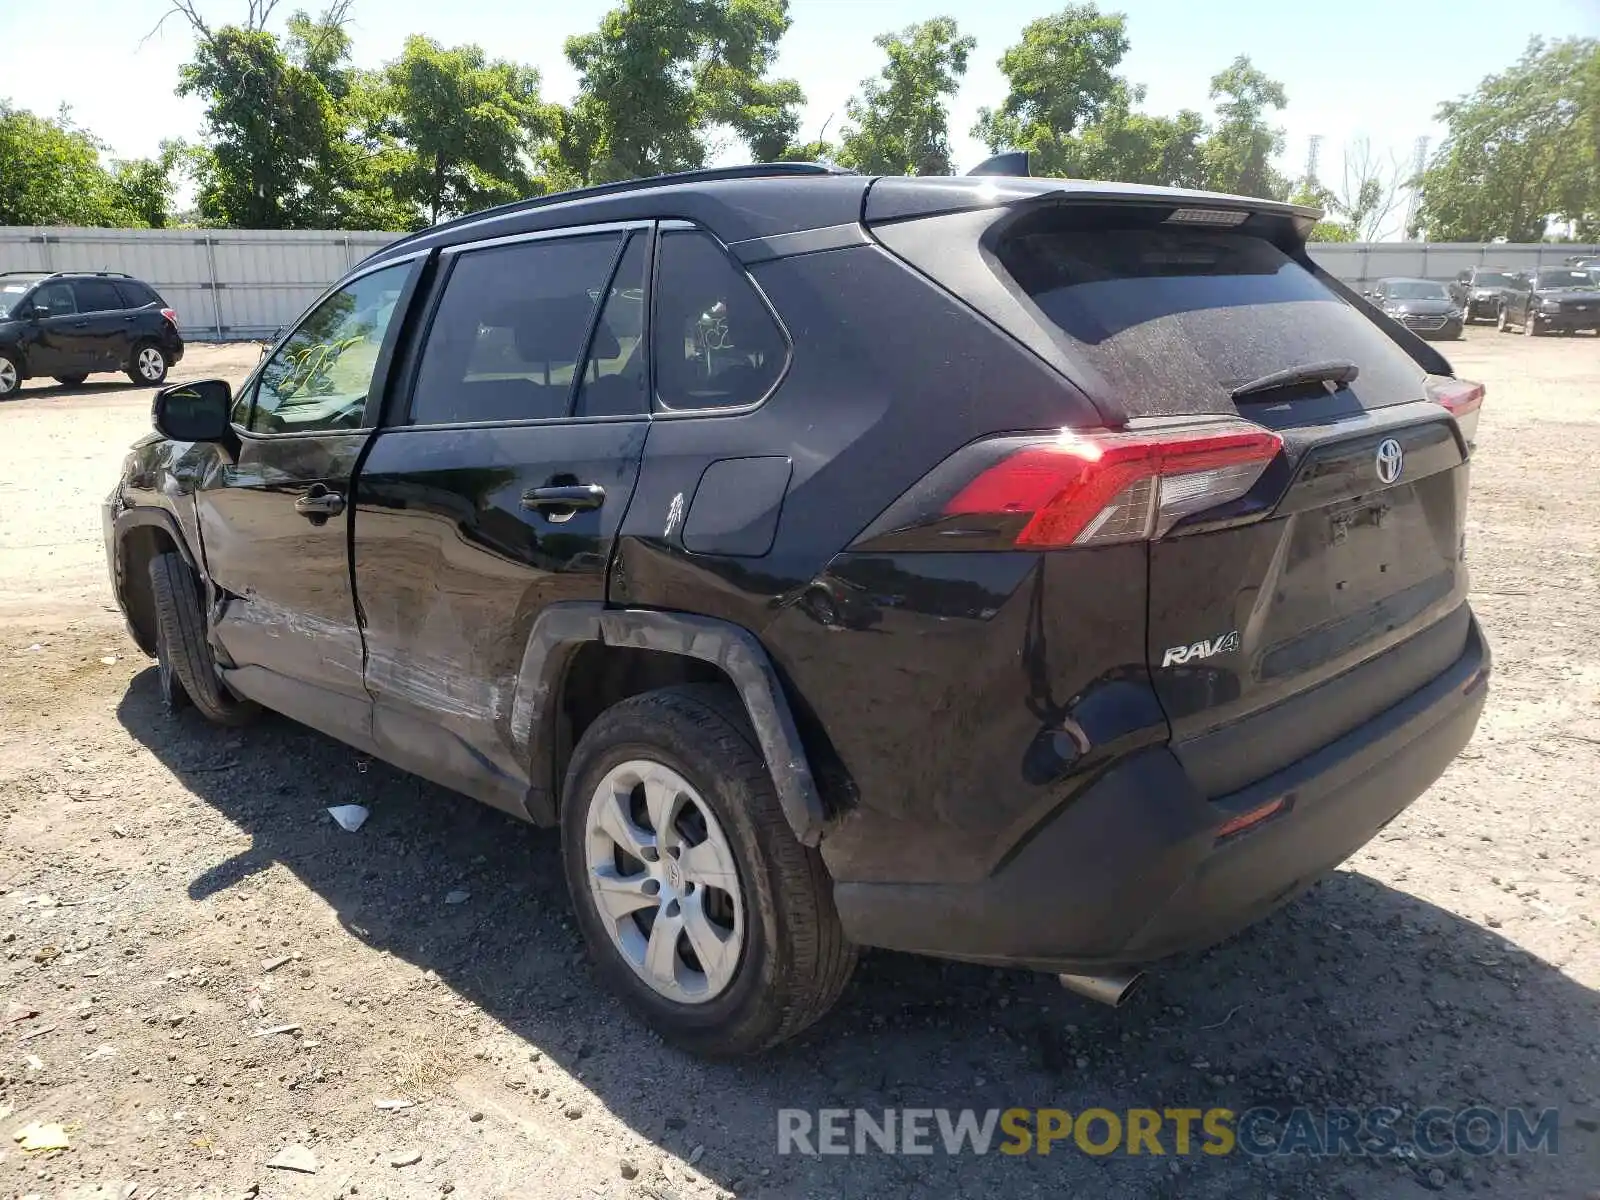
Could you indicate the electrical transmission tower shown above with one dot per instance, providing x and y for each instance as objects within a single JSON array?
[
  {"x": 1313, "y": 153},
  {"x": 1418, "y": 162}
]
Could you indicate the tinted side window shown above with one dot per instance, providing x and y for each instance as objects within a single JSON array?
[
  {"x": 614, "y": 376},
  {"x": 716, "y": 343},
  {"x": 321, "y": 374},
  {"x": 510, "y": 330},
  {"x": 96, "y": 295},
  {"x": 136, "y": 294},
  {"x": 53, "y": 300}
]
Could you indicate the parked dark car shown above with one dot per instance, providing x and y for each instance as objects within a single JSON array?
[
  {"x": 1478, "y": 293},
  {"x": 70, "y": 325},
  {"x": 1043, "y": 573},
  {"x": 1554, "y": 299},
  {"x": 1421, "y": 305}
]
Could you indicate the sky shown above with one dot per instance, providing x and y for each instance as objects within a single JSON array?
[{"x": 1361, "y": 69}]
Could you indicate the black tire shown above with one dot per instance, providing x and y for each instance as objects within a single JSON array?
[
  {"x": 181, "y": 650},
  {"x": 10, "y": 375},
  {"x": 70, "y": 380},
  {"x": 795, "y": 960},
  {"x": 135, "y": 373}
]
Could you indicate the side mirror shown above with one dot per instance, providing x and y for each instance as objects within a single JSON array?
[{"x": 194, "y": 412}]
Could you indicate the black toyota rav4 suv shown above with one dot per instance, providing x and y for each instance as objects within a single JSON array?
[
  {"x": 71, "y": 324},
  {"x": 1023, "y": 571}
]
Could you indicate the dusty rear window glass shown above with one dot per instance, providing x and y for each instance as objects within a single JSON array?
[{"x": 1173, "y": 320}]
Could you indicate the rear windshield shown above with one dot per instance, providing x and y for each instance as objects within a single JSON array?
[
  {"x": 1494, "y": 279},
  {"x": 1173, "y": 319}
]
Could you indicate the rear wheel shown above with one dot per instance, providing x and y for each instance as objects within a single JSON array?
[
  {"x": 10, "y": 376},
  {"x": 148, "y": 366},
  {"x": 185, "y": 660},
  {"x": 699, "y": 905},
  {"x": 70, "y": 380}
]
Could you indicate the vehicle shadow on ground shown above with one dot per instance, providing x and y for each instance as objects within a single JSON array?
[
  {"x": 35, "y": 389},
  {"x": 1357, "y": 995}
]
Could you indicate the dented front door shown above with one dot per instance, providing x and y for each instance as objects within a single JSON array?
[{"x": 275, "y": 521}]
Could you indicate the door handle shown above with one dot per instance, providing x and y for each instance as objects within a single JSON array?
[
  {"x": 571, "y": 496},
  {"x": 319, "y": 504},
  {"x": 80, "y": 324}
]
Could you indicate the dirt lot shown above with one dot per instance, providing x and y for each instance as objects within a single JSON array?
[{"x": 171, "y": 894}]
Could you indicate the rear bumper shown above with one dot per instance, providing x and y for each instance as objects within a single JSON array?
[{"x": 1132, "y": 870}]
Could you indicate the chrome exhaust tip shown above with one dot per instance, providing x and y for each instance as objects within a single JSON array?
[{"x": 1106, "y": 989}]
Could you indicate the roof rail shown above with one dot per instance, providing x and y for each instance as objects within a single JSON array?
[
  {"x": 705, "y": 174},
  {"x": 57, "y": 274}
]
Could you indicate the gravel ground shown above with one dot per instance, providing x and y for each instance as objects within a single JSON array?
[{"x": 200, "y": 970}]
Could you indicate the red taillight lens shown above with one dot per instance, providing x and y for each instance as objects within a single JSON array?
[
  {"x": 1462, "y": 398},
  {"x": 1090, "y": 489},
  {"x": 171, "y": 314}
]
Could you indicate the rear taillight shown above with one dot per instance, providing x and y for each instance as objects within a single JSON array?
[
  {"x": 171, "y": 314},
  {"x": 1462, "y": 398},
  {"x": 1092, "y": 489}
]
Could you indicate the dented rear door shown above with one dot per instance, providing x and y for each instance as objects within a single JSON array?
[{"x": 498, "y": 491}]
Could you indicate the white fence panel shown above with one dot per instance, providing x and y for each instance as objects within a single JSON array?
[
  {"x": 226, "y": 284},
  {"x": 238, "y": 284}
]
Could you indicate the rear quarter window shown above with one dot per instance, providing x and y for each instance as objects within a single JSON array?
[{"x": 1173, "y": 319}]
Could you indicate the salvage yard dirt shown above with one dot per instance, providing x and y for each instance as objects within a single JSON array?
[{"x": 214, "y": 990}]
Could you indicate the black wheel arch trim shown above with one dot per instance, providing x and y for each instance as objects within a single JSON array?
[
  {"x": 132, "y": 518},
  {"x": 561, "y": 629}
]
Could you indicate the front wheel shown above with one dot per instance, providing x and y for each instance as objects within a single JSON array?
[
  {"x": 149, "y": 364},
  {"x": 1530, "y": 326},
  {"x": 188, "y": 670},
  {"x": 699, "y": 905},
  {"x": 10, "y": 376},
  {"x": 1500, "y": 321}
]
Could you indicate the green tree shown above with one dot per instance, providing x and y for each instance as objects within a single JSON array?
[
  {"x": 1523, "y": 147},
  {"x": 276, "y": 153},
  {"x": 1067, "y": 106},
  {"x": 463, "y": 130},
  {"x": 1061, "y": 76},
  {"x": 659, "y": 76},
  {"x": 143, "y": 187},
  {"x": 901, "y": 124},
  {"x": 51, "y": 174},
  {"x": 1238, "y": 155}
]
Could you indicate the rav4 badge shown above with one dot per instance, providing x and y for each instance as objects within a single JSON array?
[{"x": 1178, "y": 655}]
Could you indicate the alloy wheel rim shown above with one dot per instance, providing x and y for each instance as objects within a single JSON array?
[
  {"x": 662, "y": 876},
  {"x": 150, "y": 363},
  {"x": 8, "y": 376}
]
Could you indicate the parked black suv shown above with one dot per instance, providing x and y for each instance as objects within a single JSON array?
[
  {"x": 1481, "y": 291},
  {"x": 1560, "y": 299},
  {"x": 70, "y": 324},
  {"x": 1031, "y": 572}
]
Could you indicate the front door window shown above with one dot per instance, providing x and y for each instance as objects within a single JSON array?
[{"x": 320, "y": 376}]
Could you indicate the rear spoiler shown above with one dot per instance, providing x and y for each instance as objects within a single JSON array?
[{"x": 999, "y": 182}]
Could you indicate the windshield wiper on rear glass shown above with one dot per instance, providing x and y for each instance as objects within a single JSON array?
[{"x": 1337, "y": 371}]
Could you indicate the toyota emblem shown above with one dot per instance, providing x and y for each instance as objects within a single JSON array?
[{"x": 1390, "y": 460}]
